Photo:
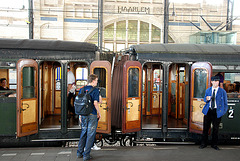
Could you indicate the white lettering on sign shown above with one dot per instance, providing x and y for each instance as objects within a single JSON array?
[{"x": 231, "y": 113}]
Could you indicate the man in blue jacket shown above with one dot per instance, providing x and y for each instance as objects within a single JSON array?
[{"x": 215, "y": 107}]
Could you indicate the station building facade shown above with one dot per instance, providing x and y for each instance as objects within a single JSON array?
[{"x": 125, "y": 22}]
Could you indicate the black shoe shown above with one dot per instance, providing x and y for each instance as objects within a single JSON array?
[
  {"x": 202, "y": 146},
  {"x": 79, "y": 156},
  {"x": 215, "y": 147},
  {"x": 87, "y": 159}
]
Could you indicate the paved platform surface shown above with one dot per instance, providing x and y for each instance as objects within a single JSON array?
[{"x": 137, "y": 153}]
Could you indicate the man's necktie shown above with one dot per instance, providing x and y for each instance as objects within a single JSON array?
[{"x": 213, "y": 100}]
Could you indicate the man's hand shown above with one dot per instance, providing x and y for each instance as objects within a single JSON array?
[
  {"x": 208, "y": 98},
  {"x": 98, "y": 116}
]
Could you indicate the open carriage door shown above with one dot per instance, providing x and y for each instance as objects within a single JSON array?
[
  {"x": 103, "y": 70},
  {"x": 132, "y": 79},
  {"x": 27, "y": 97},
  {"x": 200, "y": 80}
]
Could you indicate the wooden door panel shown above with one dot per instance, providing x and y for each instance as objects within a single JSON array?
[
  {"x": 132, "y": 111},
  {"x": 131, "y": 117},
  {"x": 27, "y": 97},
  {"x": 197, "y": 116},
  {"x": 181, "y": 100},
  {"x": 29, "y": 111},
  {"x": 57, "y": 107},
  {"x": 143, "y": 103},
  {"x": 155, "y": 102},
  {"x": 200, "y": 81},
  {"x": 104, "y": 124}
]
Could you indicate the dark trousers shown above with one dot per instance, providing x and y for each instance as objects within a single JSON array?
[
  {"x": 211, "y": 117},
  {"x": 69, "y": 105}
]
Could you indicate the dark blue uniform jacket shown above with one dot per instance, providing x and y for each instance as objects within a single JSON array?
[{"x": 221, "y": 101}]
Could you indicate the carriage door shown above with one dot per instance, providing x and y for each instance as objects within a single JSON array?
[
  {"x": 132, "y": 74},
  {"x": 57, "y": 89},
  {"x": 200, "y": 81},
  {"x": 27, "y": 97},
  {"x": 103, "y": 70}
]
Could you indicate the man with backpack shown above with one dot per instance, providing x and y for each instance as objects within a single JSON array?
[{"x": 88, "y": 121}]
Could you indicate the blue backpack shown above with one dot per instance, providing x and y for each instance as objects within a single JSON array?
[{"x": 83, "y": 104}]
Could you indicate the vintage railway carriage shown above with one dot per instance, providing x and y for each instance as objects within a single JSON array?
[
  {"x": 174, "y": 80},
  {"x": 35, "y": 108},
  {"x": 149, "y": 91}
]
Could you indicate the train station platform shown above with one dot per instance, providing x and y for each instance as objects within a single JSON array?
[{"x": 120, "y": 153}]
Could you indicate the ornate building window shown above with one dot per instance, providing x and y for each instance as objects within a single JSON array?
[{"x": 122, "y": 34}]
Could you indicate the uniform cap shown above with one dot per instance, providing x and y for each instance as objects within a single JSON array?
[{"x": 215, "y": 78}]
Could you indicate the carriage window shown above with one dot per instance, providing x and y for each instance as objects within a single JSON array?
[
  {"x": 181, "y": 74},
  {"x": 81, "y": 77},
  {"x": 7, "y": 64},
  {"x": 232, "y": 84},
  {"x": 200, "y": 83},
  {"x": 8, "y": 86},
  {"x": 58, "y": 78},
  {"x": 144, "y": 75},
  {"x": 219, "y": 67},
  {"x": 28, "y": 82},
  {"x": 157, "y": 80},
  {"x": 133, "y": 82},
  {"x": 101, "y": 73},
  {"x": 12, "y": 79}
]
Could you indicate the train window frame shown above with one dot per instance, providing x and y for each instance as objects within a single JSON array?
[
  {"x": 58, "y": 78},
  {"x": 28, "y": 89},
  {"x": 11, "y": 78},
  {"x": 81, "y": 77},
  {"x": 7, "y": 64},
  {"x": 222, "y": 68},
  {"x": 130, "y": 86},
  {"x": 232, "y": 84},
  {"x": 219, "y": 67},
  {"x": 195, "y": 95},
  {"x": 158, "y": 79},
  {"x": 102, "y": 80}
]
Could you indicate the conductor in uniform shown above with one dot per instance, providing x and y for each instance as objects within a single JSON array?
[{"x": 215, "y": 107}]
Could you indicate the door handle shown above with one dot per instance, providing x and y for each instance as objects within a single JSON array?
[
  {"x": 131, "y": 105},
  {"x": 22, "y": 109},
  {"x": 106, "y": 108},
  {"x": 102, "y": 104}
]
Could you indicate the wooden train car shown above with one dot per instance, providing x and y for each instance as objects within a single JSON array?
[
  {"x": 174, "y": 80},
  {"x": 35, "y": 107},
  {"x": 149, "y": 91}
]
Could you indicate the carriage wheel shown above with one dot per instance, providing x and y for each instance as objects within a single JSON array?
[
  {"x": 99, "y": 143},
  {"x": 128, "y": 141},
  {"x": 109, "y": 139}
]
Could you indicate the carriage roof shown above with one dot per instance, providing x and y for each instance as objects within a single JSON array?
[
  {"x": 187, "y": 48},
  {"x": 46, "y": 49},
  {"x": 187, "y": 52},
  {"x": 58, "y": 45}
]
